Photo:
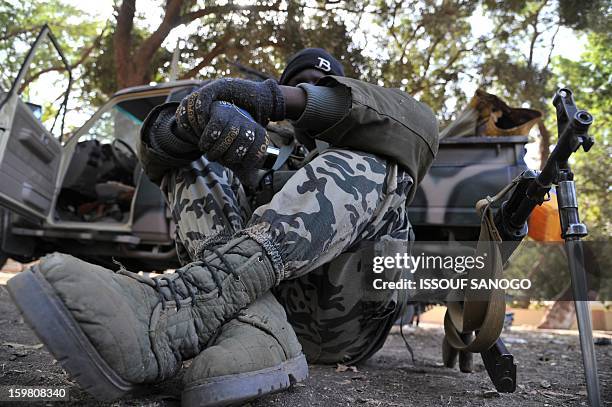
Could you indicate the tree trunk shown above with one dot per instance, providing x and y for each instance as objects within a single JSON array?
[
  {"x": 133, "y": 64},
  {"x": 122, "y": 43},
  {"x": 560, "y": 316},
  {"x": 544, "y": 142}
]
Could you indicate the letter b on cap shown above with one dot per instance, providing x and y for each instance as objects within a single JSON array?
[{"x": 324, "y": 64}]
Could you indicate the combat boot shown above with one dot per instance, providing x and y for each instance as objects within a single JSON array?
[
  {"x": 254, "y": 354},
  {"x": 113, "y": 332}
]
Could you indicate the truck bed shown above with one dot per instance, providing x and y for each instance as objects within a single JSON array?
[{"x": 465, "y": 170}]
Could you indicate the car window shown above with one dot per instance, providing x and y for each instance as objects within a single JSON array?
[
  {"x": 122, "y": 121},
  {"x": 112, "y": 124},
  {"x": 140, "y": 107}
]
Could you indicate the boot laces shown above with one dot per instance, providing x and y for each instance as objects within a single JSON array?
[{"x": 169, "y": 281}]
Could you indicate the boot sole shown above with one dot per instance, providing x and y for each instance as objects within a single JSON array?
[
  {"x": 61, "y": 334},
  {"x": 241, "y": 387}
]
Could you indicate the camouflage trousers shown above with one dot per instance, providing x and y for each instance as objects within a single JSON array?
[{"x": 327, "y": 222}]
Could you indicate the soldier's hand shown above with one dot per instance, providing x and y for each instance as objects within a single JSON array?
[
  {"x": 232, "y": 138},
  {"x": 262, "y": 100}
]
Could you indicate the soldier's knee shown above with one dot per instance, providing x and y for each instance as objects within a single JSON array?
[{"x": 357, "y": 162}]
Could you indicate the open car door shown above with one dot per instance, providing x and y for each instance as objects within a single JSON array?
[{"x": 30, "y": 153}]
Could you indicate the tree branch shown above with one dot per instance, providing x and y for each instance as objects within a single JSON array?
[
  {"x": 153, "y": 42},
  {"x": 392, "y": 27},
  {"x": 249, "y": 71},
  {"x": 15, "y": 33},
  {"x": 348, "y": 10},
  {"x": 552, "y": 46},
  {"x": 61, "y": 68},
  {"x": 432, "y": 48},
  {"x": 207, "y": 59},
  {"x": 173, "y": 18},
  {"x": 87, "y": 51},
  {"x": 453, "y": 59},
  {"x": 26, "y": 82},
  {"x": 412, "y": 37},
  {"x": 544, "y": 142},
  {"x": 194, "y": 15},
  {"x": 534, "y": 23}
]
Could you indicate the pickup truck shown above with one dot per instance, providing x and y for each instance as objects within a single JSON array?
[
  {"x": 465, "y": 170},
  {"x": 85, "y": 193}
]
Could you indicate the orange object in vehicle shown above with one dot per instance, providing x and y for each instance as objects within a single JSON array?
[{"x": 544, "y": 223}]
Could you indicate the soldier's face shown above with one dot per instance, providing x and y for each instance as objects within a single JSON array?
[{"x": 306, "y": 76}]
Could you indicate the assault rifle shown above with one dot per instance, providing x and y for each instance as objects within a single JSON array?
[{"x": 531, "y": 190}]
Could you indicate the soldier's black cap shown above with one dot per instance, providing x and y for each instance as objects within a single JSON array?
[{"x": 311, "y": 58}]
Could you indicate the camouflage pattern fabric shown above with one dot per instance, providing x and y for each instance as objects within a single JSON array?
[{"x": 327, "y": 222}]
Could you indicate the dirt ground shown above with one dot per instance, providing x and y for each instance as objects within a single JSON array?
[{"x": 549, "y": 373}]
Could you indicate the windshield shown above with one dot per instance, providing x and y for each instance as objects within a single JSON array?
[
  {"x": 112, "y": 124},
  {"x": 121, "y": 121}
]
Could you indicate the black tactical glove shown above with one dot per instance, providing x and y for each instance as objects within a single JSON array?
[
  {"x": 262, "y": 100},
  {"x": 233, "y": 138},
  {"x": 160, "y": 131}
]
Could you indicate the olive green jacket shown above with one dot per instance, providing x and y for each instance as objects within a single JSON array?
[
  {"x": 382, "y": 121},
  {"x": 387, "y": 122}
]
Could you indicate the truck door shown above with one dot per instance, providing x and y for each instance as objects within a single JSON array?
[{"x": 30, "y": 139}]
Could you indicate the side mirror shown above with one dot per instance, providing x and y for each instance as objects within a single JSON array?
[{"x": 36, "y": 110}]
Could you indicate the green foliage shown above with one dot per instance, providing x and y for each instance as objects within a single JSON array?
[
  {"x": 544, "y": 264},
  {"x": 510, "y": 65},
  {"x": 426, "y": 51},
  {"x": 426, "y": 47},
  {"x": 586, "y": 14},
  {"x": 590, "y": 79},
  {"x": 21, "y": 21},
  {"x": 266, "y": 40}
]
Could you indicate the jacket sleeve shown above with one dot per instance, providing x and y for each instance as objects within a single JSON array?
[
  {"x": 160, "y": 150},
  {"x": 384, "y": 121}
]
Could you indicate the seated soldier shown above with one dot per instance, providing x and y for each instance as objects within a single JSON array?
[{"x": 310, "y": 248}]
